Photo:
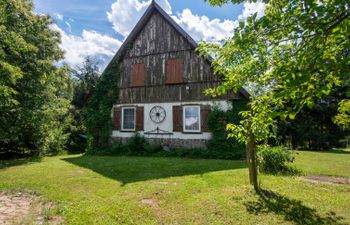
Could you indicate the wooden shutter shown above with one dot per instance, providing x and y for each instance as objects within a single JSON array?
[
  {"x": 175, "y": 72},
  {"x": 137, "y": 78},
  {"x": 179, "y": 70},
  {"x": 139, "y": 118},
  {"x": 177, "y": 118},
  {"x": 205, "y": 111},
  {"x": 116, "y": 118}
]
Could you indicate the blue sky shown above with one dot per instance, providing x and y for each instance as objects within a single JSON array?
[{"x": 98, "y": 27}]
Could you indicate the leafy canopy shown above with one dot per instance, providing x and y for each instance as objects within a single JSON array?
[
  {"x": 34, "y": 93},
  {"x": 293, "y": 55}
]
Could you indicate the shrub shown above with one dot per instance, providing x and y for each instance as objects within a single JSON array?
[
  {"x": 136, "y": 145},
  {"x": 275, "y": 160}
]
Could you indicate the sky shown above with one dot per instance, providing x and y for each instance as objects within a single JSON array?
[{"x": 97, "y": 28}]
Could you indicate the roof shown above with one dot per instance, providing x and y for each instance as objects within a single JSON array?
[{"x": 154, "y": 7}]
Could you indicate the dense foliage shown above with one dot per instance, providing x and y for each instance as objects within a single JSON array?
[
  {"x": 34, "y": 93},
  {"x": 315, "y": 128},
  {"x": 98, "y": 111},
  {"x": 220, "y": 146},
  {"x": 292, "y": 56},
  {"x": 85, "y": 78},
  {"x": 275, "y": 160},
  {"x": 295, "y": 54}
]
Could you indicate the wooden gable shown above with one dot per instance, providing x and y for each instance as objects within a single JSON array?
[{"x": 172, "y": 70}]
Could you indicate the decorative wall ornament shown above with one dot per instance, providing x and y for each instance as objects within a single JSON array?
[{"x": 157, "y": 114}]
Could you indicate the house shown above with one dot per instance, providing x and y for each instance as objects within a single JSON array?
[{"x": 161, "y": 85}]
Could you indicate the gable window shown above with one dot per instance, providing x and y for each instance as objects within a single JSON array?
[
  {"x": 191, "y": 118},
  {"x": 128, "y": 118},
  {"x": 175, "y": 71},
  {"x": 137, "y": 78}
]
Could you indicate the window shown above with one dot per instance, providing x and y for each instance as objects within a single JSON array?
[
  {"x": 137, "y": 78},
  {"x": 128, "y": 118},
  {"x": 174, "y": 71},
  {"x": 191, "y": 121}
]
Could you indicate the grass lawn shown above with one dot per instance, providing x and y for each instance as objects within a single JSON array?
[{"x": 140, "y": 190}]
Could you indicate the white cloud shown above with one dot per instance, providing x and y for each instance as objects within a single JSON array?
[
  {"x": 126, "y": 13},
  {"x": 101, "y": 47},
  {"x": 58, "y": 16},
  {"x": 251, "y": 8},
  {"x": 69, "y": 26},
  {"x": 204, "y": 29}
]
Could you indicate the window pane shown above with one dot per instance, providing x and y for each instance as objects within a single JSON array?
[
  {"x": 192, "y": 118},
  {"x": 129, "y": 119}
]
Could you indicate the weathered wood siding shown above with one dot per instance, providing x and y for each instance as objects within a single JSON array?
[{"x": 155, "y": 44}]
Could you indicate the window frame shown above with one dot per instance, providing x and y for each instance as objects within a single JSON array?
[
  {"x": 122, "y": 120},
  {"x": 184, "y": 119}
]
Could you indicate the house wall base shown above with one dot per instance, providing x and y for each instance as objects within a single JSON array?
[{"x": 170, "y": 143}]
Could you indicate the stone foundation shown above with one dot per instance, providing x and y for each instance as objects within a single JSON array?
[{"x": 171, "y": 143}]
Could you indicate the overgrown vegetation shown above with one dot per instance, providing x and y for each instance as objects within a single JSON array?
[
  {"x": 99, "y": 109},
  {"x": 35, "y": 94},
  {"x": 220, "y": 146}
]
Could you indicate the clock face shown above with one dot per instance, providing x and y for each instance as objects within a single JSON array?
[{"x": 157, "y": 114}]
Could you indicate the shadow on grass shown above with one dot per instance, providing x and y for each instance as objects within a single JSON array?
[
  {"x": 17, "y": 162},
  {"x": 292, "y": 210},
  {"x": 134, "y": 169}
]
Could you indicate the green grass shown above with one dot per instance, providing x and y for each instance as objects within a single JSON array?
[
  {"x": 109, "y": 190},
  {"x": 331, "y": 163}
]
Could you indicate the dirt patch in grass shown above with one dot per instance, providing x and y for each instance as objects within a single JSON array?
[
  {"x": 166, "y": 183},
  {"x": 26, "y": 208},
  {"x": 328, "y": 180},
  {"x": 149, "y": 202},
  {"x": 153, "y": 204}
]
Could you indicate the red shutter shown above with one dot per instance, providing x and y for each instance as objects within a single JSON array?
[
  {"x": 175, "y": 71},
  {"x": 177, "y": 118},
  {"x": 141, "y": 75},
  {"x": 137, "y": 77},
  {"x": 116, "y": 118},
  {"x": 179, "y": 71},
  {"x": 170, "y": 71},
  {"x": 139, "y": 118},
  {"x": 205, "y": 111}
]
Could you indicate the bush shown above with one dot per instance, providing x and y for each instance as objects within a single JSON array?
[
  {"x": 136, "y": 145},
  {"x": 275, "y": 160}
]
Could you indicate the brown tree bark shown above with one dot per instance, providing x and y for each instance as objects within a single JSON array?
[{"x": 251, "y": 160}]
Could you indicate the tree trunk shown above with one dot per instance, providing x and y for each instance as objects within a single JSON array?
[{"x": 251, "y": 160}]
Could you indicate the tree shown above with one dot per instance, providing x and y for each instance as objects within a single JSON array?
[
  {"x": 34, "y": 93},
  {"x": 85, "y": 78},
  {"x": 295, "y": 54},
  {"x": 315, "y": 128}
]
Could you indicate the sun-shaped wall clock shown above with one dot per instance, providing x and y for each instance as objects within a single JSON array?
[{"x": 157, "y": 114}]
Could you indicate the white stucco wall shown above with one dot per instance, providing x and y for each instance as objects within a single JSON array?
[{"x": 167, "y": 124}]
